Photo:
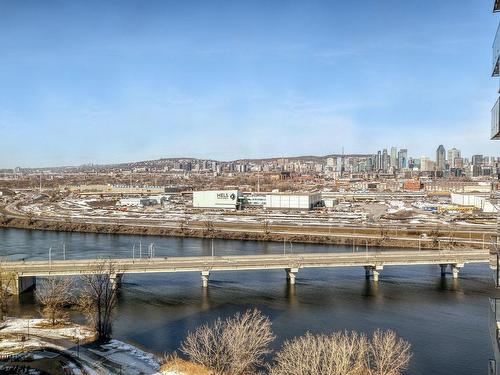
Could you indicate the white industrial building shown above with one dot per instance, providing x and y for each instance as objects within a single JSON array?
[
  {"x": 142, "y": 201},
  {"x": 223, "y": 199},
  {"x": 254, "y": 200},
  {"x": 295, "y": 201},
  {"x": 481, "y": 202}
]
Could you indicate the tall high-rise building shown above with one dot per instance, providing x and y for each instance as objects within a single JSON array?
[
  {"x": 477, "y": 160},
  {"x": 453, "y": 156},
  {"x": 378, "y": 161},
  {"x": 403, "y": 158},
  {"x": 394, "y": 157},
  {"x": 426, "y": 164},
  {"x": 440, "y": 158},
  {"x": 386, "y": 160},
  {"x": 338, "y": 165}
]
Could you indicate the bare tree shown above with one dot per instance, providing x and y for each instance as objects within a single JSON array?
[
  {"x": 54, "y": 293},
  {"x": 6, "y": 284},
  {"x": 98, "y": 298},
  {"x": 389, "y": 355},
  {"x": 266, "y": 228},
  {"x": 208, "y": 226},
  {"x": 344, "y": 353},
  {"x": 235, "y": 346},
  {"x": 183, "y": 225}
]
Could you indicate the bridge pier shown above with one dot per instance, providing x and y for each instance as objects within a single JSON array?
[
  {"x": 204, "y": 278},
  {"x": 373, "y": 271},
  {"x": 455, "y": 269},
  {"x": 291, "y": 274},
  {"x": 22, "y": 284}
]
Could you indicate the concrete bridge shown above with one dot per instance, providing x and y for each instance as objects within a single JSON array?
[{"x": 25, "y": 273}]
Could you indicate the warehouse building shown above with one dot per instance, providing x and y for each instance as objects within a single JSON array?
[
  {"x": 254, "y": 200},
  {"x": 223, "y": 199},
  {"x": 481, "y": 202},
  {"x": 293, "y": 201}
]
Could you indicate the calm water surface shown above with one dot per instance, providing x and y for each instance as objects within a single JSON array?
[{"x": 445, "y": 320}]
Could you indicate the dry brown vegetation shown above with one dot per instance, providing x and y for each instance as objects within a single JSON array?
[
  {"x": 54, "y": 293},
  {"x": 235, "y": 346},
  {"x": 209, "y": 231},
  {"x": 238, "y": 346},
  {"x": 6, "y": 283},
  {"x": 174, "y": 363},
  {"x": 344, "y": 353},
  {"x": 98, "y": 298},
  {"x": 389, "y": 355}
]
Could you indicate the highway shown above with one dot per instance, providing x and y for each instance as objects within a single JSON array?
[{"x": 372, "y": 262}]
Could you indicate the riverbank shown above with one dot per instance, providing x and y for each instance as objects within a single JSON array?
[
  {"x": 67, "y": 349},
  {"x": 345, "y": 239}
]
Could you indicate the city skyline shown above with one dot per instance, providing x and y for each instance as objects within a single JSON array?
[
  {"x": 398, "y": 158},
  {"x": 266, "y": 79}
]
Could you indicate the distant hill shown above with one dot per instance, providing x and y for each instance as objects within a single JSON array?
[{"x": 164, "y": 161}]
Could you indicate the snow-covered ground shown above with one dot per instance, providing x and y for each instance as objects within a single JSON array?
[{"x": 116, "y": 357}]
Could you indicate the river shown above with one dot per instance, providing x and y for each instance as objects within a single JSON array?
[{"x": 445, "y": 320}]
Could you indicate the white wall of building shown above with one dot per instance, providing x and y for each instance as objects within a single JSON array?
[
  {"x": 255, "y": 200},
  {"x": 480, "y": 202},
  {"x": 224, "y": 199},
  {"x": 130, "y": 202},
  {"x": 292, "y": 201}
]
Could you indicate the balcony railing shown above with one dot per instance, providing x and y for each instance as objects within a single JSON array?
[
  {"x": 496, "y": 54},
  {"x": 496, "y": 6},
  {"x": 495, "y": 121}
]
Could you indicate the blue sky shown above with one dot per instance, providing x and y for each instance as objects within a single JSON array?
[{"x": 84, "y": 81}]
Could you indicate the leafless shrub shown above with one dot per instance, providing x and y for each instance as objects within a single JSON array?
[
  {"x": 54, "y": 294},
  {"x": 235, "y": 346},
  {"x": 266, "y": 227},
  {"x": 98, "y": 298},
  {"x": 183, "y": 225},
  {"x": 208, "y": 226},
  {"x": 389, "y": 354},
  {"x": 6, "y": 284},
  {"x": 345, "y": 353},
  {"x": 342, "y": 353},
  {"x": 173, "y": 364}
]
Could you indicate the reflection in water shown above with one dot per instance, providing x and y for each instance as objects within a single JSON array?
[
  {"x": 447, "y": 283},
  {"x": 205, "y": 298},
  {"x": 371, "y": 288},
  {"x": 291, "y": 294}
]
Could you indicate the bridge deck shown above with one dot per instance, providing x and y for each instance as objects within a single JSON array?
[{"x": 249, "y": 262}]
